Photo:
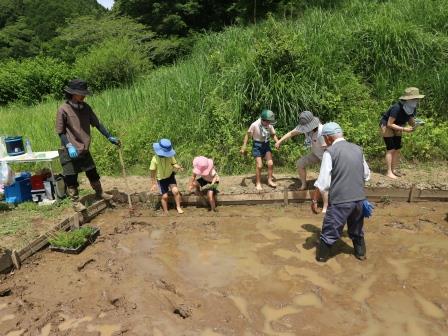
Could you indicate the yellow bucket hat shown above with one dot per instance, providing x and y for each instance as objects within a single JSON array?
[{"x": 411, "y": 93}]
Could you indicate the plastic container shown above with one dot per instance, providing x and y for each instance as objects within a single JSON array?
[
  {"x": 20, "y": 191},
  {"x": 49, "y": 190},
  {"x": 3, "y": 151},
  {"x": 38, "y": 195},
  {"x": 28, "y": 148},
  {"x": 14, "y": 145},
  {"x": 37, "y": 182}
]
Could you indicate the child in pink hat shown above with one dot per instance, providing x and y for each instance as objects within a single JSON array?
[{"x": 204, "y": 174}]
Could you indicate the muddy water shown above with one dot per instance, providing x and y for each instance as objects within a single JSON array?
[{"x": 244, "y": 271}]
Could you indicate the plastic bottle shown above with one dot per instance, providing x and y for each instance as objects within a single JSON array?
[
  {"x": 28, "y": 149},
  {"x": 3, "y": 151}
]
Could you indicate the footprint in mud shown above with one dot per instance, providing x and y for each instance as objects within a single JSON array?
[
  {"x": 241, "y": 304},
  {"x": 429, "y": 308},
  {"x": 104, "y": 329},
  {"x": 16, "y": 332},
  {"x": 401, "y": 270},
  {"x": 308, "y": 300},
  {"x": 313, "y": 277},
  {"x": 70, "y": 323},
  {"x": 363, "y": 292},
  {"x": 275, "y": 314},
  {"x": 45, "y": 331}
]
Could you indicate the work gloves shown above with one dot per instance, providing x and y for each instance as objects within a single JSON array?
[
  {"x": 114, "y": 140},
  {"x": 367, "y": 208},
  {"x": 72, "y": 152}
]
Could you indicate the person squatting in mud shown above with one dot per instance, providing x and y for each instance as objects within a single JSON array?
[
  {"x": 73, "y": 121},
  {"x": 342, "y": 173},
  {"x": 261, "y": 131},
  {"x": 205, "y": 178}
]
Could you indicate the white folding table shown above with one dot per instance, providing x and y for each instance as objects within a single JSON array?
[{"x": 35, "y": 157}]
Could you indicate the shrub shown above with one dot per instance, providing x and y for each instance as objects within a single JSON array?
[
  {"x": 113, "y": 63},
  {"x": 30, "y": 80}
]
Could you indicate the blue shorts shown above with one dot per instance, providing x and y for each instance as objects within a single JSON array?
[
  {"x": 259, "y": 149},
  {"x": 164, "y": 184}
]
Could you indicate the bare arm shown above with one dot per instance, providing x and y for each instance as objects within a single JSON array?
[
  {"x": 391, "y": 125},
  {"x": 243, "y": 147},
  {"x": 286, "y": 137},
  {"x": 153, "y": 180}
]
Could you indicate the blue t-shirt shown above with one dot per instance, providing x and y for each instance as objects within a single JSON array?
[{"x": 396, "y": 111}]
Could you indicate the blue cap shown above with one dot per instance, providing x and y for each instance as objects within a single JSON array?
[
  {"x": 331, "y": 128},
  {"x": 164, "y": 148}
]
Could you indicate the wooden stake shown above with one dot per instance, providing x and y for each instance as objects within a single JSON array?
[
  {"x": 16, "y": 259},
  {"x": 120, "y": 154}
]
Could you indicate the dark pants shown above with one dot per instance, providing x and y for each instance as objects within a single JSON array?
[
  {"x": 72, "y": 180},
  {"x": 71, "y": 167},
  {"x": 336, "y": 217}
]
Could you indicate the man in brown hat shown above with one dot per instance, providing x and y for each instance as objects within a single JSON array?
[
  {"x": 311, "y": 127},
  {"x": 73, "y": 121},
  {"x": 393, "y": 124}
]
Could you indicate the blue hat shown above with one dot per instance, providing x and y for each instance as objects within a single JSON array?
[
  {"x": 164, "y": 148},
  {"x": 331, "y": 128}
]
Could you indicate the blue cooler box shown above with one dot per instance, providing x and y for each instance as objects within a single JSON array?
[{"x": 20, "y": 191}]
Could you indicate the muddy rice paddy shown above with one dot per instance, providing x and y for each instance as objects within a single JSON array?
[{"x": 247, "y": 270}]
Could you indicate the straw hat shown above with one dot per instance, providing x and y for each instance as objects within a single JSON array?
[{"x": 411, "y": 93}]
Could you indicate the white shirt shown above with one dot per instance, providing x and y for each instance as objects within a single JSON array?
[
  {"x": 260, "y": 132},
  {"x": 324, "y": 180}
]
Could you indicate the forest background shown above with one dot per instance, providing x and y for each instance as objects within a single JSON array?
[{"x": 200, "y": 71}]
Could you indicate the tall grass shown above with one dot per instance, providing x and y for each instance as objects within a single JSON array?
[{"x": 346, "y": 64}]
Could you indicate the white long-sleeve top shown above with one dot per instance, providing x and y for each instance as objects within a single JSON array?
[{"x": 324, "y": 180}]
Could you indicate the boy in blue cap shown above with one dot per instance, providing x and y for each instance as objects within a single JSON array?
[{"x": 163, "y": 166}]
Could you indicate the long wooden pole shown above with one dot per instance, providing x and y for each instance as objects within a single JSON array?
[{"x": 120, "y": 154}]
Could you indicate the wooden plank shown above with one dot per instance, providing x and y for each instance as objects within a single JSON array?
[{"x": 433, "y": 195}]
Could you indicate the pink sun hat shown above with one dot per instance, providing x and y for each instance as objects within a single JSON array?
[{"x": 202, "y": 165}]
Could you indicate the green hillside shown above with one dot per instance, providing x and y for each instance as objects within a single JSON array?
[{"x": 346, "y": 64}]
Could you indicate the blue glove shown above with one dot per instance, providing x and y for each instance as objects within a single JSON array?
[
  {"x": 367, "y": 208},
  {"x": 114, "y": 140},
  {"x": 72, "y": 152}
]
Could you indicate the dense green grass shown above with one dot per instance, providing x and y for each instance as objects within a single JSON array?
[{"x": 346, "y": 64}]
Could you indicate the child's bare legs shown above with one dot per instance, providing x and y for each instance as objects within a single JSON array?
[
  {"x": 211, "y": 199},
  {"x": 259, "y": 166},
  {"x": 325, "y": 201},
  {"x": 165, "y": 203},
  {"x": 302, "y": 175},
  {"x": 177, "y": 198},
  {"x": 270, "y": 163}
]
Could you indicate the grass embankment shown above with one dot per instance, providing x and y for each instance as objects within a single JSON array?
[{"x": 347, "y": 64}]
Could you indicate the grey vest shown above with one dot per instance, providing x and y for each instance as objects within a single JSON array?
[{"x": 347, "y": 174}]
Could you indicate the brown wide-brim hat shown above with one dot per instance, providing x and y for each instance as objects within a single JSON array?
[
  {"x": 78, "y": 87},
  {"x": 411, "y": 93}
]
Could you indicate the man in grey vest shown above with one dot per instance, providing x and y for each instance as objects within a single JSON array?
[{"x": 343, "y": 172}]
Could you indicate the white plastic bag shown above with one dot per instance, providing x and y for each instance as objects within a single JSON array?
[{"x": 6, "y": 175}]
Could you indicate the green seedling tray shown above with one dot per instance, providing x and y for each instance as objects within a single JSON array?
[{"x": 80, "y": 248}]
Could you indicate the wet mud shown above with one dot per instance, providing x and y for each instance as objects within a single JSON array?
[{"x": 246, "y": 270}]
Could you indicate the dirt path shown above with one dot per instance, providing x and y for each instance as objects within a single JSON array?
[{"x": 243, "y": 271}]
